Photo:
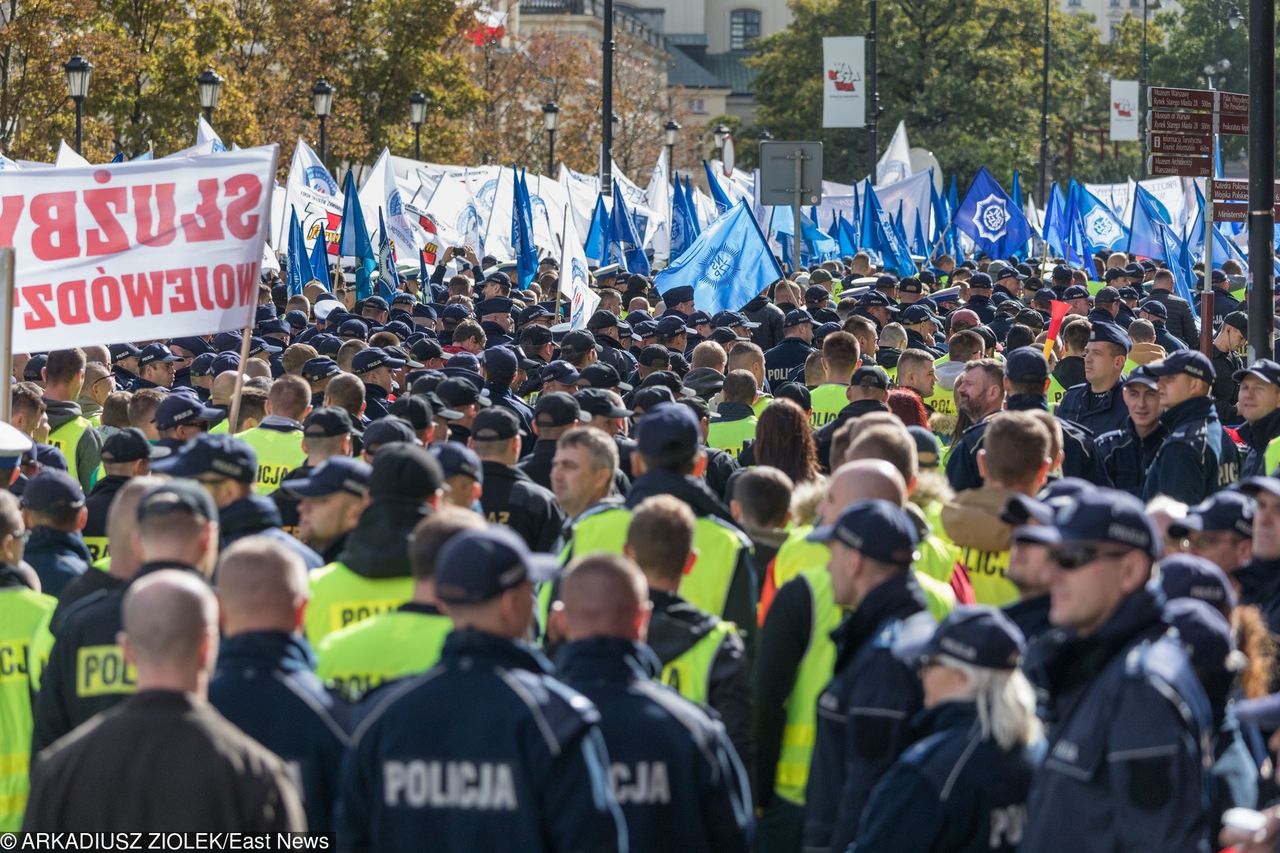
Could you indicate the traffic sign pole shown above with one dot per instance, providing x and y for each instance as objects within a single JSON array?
[{"x": 1206, "y": 284}]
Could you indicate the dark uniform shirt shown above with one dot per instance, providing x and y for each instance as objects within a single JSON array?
[
  {"x": 953, "y": 791},
  {"x": 524, "y": 765},
  {"x": 265, "y": 683},
  {"x": 823, "y": 435},
  {"x": 375, "y": 402},
  {"x": 161, "y": 761},
  {"x": 511, "y": 498},
  {"x": 1182, "y": 321},
  {"x": 1259, "y": 582},
  {"x": 864, "y": 714},
  {"x": 1167, "y": 339},
  {"x": 256, "y": 515},
  {"x": 1226, "y": 390},
  {"x": 673, "y": 768},
  {"x": 784, "y": 358},
  {"x": 1258, "y": 435},
  {"x": 57, "y": 556},
  {"x": 98, "y": 503},
  {"x": 1126, "y": 456},
  {"x": 1097, "y": 413},
  {"x": 1196, "y": 459}
]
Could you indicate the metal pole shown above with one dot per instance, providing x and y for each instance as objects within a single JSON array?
[
  {"x": 322, "y": 140},
  {"x": 1262, "y": 174},
  {"x": 606, "y": 106},
  {"x": 6, "y": 332},
  {"x": 671, "y": 162},
  {"x": 1044, "y": 111},
  {"x": 79, "y": 123},
  {"x": 1206, "y": 283},
  {"x": 417, "y": 142},
  {"x": 1142, "y": 97},
  {"x": 208, "y": 114},
  {"x": 551, "y": 151},
  {"x": 798, "y": 234},
  {"x": 873, "y": 124}
]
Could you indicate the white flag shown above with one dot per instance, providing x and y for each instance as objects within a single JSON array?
[
  {"x": 313, "y": 192},
  {"x": 380, "y": 191},
  {"x": 68, "y": 158},
  {"x": 658, "y": 199},
  {"x": 895, "y": 163},
  {"x": 575, "y": 278}
]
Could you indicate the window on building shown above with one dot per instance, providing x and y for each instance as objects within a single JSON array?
[
  {"x": 1115, "y": 31},
  {"x": 1075, "y": 4},
  {"x": 744, "y": 28},
  {"x": 697, "y": 106},
  {"x": 1115, "y": 4}
]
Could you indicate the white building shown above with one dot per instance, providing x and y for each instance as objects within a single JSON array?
[{"x": 1107, "y": 14}]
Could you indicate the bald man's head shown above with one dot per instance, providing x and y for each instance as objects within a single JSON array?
[
  {"x": 262, "y": 585},
  {"x": 862, "y": 480},
  {"x": 171, "y": 630},
  {"x": 122, "y": 521},
  {"x": 224, "y": 385},
  {"x": 604, "y": 595}
]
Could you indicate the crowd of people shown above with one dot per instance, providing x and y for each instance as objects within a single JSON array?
[{"x": 870, "y": 564}]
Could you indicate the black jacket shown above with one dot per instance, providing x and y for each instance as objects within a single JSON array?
[
  {"x": 98, "y": 503},
  {"x": 1097, "y": 413},
  {"x": 161, "y": 761},
  {"x": 378, "y": 547},
  {"x": 771, "y": 318},
  {"x": 1226, "y": 390},
  {"x": 822, "y": 437},
  {"x": 1258, "y": 435},
  {"x": 1260, "y": 587},
  {"x": 1197, "y": 458},
  {"x": 375, "y": 402},
  {"x": 510, "y": 497},
  {"x": 789, "y": 354},
  {"x": 58, "y": 557},
  {"x": 1126, "y": 456},
  {"x": 1181, "y": 323},
  {"x": 256, "y": 515}
]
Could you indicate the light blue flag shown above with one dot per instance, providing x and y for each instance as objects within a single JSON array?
[
  {"x": 1055, "y": 222},
  {"x": 1015, "y": 191},
  {"x": 682, "y": 234},
  {"x": 1078, "y": 253},
  {"x": 522, "y": 231},
  {"x": 995, "y": 224},
  {"x": 320, "y": 258},
  {"x": 834, "y": 231},
  {"x": 940, "y": 218},
  {"x": 954, "y": 247},
  {"x": 388, "y": 275},
  {"x": 1103, "y": 230},
  {"x": 624, "y": 237},
  {"x": 297, "y": 255},
  {"x": 717, "y": 191},
  {"x": 1224, "y": 249},
  {"x": 1178, "y": 259},
  {"x": 846, "y": 237},
  {"x": 691, "y": 208},
  {"x": 919, "y": 247},
  {"x": 354, "y": 241},
  {"x": 144, "y": 156},
  {"x": 1144, "y": 232},
  {"x": 894, "y": 253},
  {"x": 727, "y": 266},
  {"x": 598, "y": 234},
  {"x": 868, "y": 231}
]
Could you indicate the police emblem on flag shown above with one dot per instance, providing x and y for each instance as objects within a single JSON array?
[
  {"x": 720, "y": 266},
  {"x": 1102, "y": 228},
  {"x": 991, "y": 217},
  {"x": 319, "y": 180}
]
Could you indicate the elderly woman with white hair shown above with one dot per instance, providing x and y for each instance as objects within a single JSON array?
[{"x": 963, "y": 785}]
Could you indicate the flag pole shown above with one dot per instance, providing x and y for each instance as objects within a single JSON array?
[{"x": 6, "y": 331}]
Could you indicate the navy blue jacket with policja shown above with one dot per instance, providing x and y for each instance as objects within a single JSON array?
[
  {"x": 672, "y": 767},
  {"x": 1197, "y": 458},
  {"x": 265, "y": 683},
  {"x": 1128, "y": 737},
  {"x": 953, "y": 791},
  {"x": 486, "y": 751}
]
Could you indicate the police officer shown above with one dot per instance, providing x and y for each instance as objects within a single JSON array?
[
  {"x": 125, "y": 454},
  {"x": 980, "y": 290},
  {"x": 1126, "y": 453},
  {"x": 329, "y": 502},
  {"x": 1125, "y": 768},
  {"x": 1232, "y": 336},
  {"x": 54, "y": 513},
  {"x": 1258, "y": 578},
  {"x": 865, "y": 711},
  {"x": 264, "y": 681},
  {"x": 1220, "y": 529},
  {"x": 500, "y": 368},
  {"x": 1259, "y": 405},
  {"x": 1198, "y": 457},
  {"x": 227, "y": 468},
  {"x": 1156, "y": 313},
  {"x": 672, "y": 767},
  {"x": 375, "y": 367},
  {"x": 277, "y": 439},
  {"x": 524, "y": 766},
  {"x": 23, "y": 608},
  {"x": 372, "y": 573},
  {"x": 554, "y": 414},
  {"x": 177, "y": 525},
  {"x": 1098, "y": 404},
  {"x": 867, "y": 390},
  {"x": 604, "y": 325},
  {"x": 404, "y": 641},
  {"x": 69, "y": 430},
  {"x": 510, "y": 497},
  {"x": 963, "y": 786},
  {"x": 327, "y": 432},
  {"x": 794, "y": 349}
]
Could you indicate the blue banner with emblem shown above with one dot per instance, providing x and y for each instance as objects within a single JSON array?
[
  {"x": 727, "y": 266},
  {"x": 988, "y": 215}
]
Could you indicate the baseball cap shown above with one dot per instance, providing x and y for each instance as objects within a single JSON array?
[
  {"x": 1189, "y": 576},
  {"x": 1155, "y": 308},
  {"x": 405, "y": 471},
  {"x": 916, "y": 313},
  {"x": 796, "y": 393},
  {"x": 645, "y": 399},
  {"x": 479, "y": 565},
  {"x": 724, "y": 319},
  {"x": 978, "y": 635},
  {"x": 500, "y": 361},
  {"x": 1143, "y": 376},
  {"x": 875, "y": 528},
  {"x": 655, "y": 355},
  {"x": 373, "y": 358},
  {"x": 816, "y": 294},
  {"x": 156, "y": 353},
  {"x": 562, "y": 372},
  {"x": 193, "y": 344},
  {"x": 979, "y": 281},
  {"x": 928, "y": 453},
  {"x": 668, "y": 434},
  {"x": 601, "y": 375},
  {"x": 911, "y": 284},
  {"x": 1076, "y": 291},
  {"x": 556, "y": 409},
  {"x": 221, "y": 454},
  {"x": 335, "y": 474},
  {"x": 677, "y": 294},
  {"x": 602, "y": 319},
  {"x": 455, "y": 392},
  {"x": 327, "y": 422},
  {"x": 388, "y": 430},
  {"x": 202, "y": 365},
  {"x": 416, "y": 409},
  {"x": 315, "y": 369},
  {"x": 601, "y": 403},
  {"x": 1220, "y": 512},
  {"x": 876, "y": 299},
  {"x": 458, "y": 459},
  {"x": 52, "y": 491},
  {"x": 870, "y": 376},
  {"x": 1237, "y": 320},
  {"x": 1191, "y": 362},
  {"x": 495, "y": 423},
  {"x": 1104, "y": 515},
  {"x": 796, "y": 317},
  {"x": 1264, "y": 369},
  {"x": 669, "y": 326},
  {"x": 185, "y": 496},
  {"x": 129, "y": 445},
  {"x": 1106, "y": 296},
  {"x": 180, "y": 409}
]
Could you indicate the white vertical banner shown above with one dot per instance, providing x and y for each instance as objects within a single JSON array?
[
  {"x": 1124, "y": 111},
  {"x": 575, "y": 280},
  {"x": 844, "y": 97}
]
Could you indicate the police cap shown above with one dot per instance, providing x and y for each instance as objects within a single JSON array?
[
  {"x": 1104, "y": 515},
  {"x": 479, "y": 565},
  {"x": 220, "y": 454},
  {"x": 667, "y": 435},
  {"x": 1264, "y": 369},
  {"x": 1189, "y": 576},
  {"x": 1225, "y": 511},
  {"x": 1191, "y": 362},
  {"x": 458, "y": 460},
  {"x": 177, "y": 410},
  {"x": 556, "y": 409},
  {"x": 403, "y": 470},
  {"x": 336, "y": 474},
  {"x": 327, "y": 422},
  {"x": 388, "y": 430},
  {"x": 322, "y": 367},
  {"x": 977, "y": 635},
  {"x": 601, "y": 403},
  {"x": 875, "y": 528},
  {"x": 52, "y": 491},
  {"x": 184, "y": 496},
  {"x": 496, "y": 423},
  {"x": 601, "y": 375},
  {"x": 130, "y": 445}
]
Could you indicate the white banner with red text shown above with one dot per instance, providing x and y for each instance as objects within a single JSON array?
[{"x": 136, "y": 251}]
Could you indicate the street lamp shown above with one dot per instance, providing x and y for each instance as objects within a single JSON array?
[
  {"x": 721, "y": 133},
  {"x": 1234, "y": 18},
  {"x": 1219, "y": 68},
  {"x": 417, "y": 115},
  {"x": 550, "y": 118},
  {"x": 671, "y": 131},
  {"x": 78, "y": 70},
  {"x": 322, "y": 102},
  {"x": 1147, "y": 5},
  {"x": 210, "y": 82}
]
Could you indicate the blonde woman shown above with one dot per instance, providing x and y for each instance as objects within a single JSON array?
[{"x": 962, "y": 786}]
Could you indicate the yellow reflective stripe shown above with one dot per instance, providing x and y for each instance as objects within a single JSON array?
[
  {"x": 14, "y": 763},
  {"x": 799, "y": 734},
  {"x": 13, "y": 804}
]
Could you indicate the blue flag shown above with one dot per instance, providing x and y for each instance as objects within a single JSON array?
[
  {"x": 119, "y": 158},
  {"x": 727, "y": 266},
  {"x": 1055, "y": 222},
  {"x": 1148, "y": 217},
  {"x": 320, "y": 258},
  {"x": 953, "y": 247},
  {"x": 717, "y": 191},
  {"x": 682, "y": 233},
  {"x": 624, "y": 238},
  {"x": 1015, "y": 190},
  {"x": 522, "y": 231},
  {"x": 598, "y": 234},
  {"x": 1078, "y": 253},
  {"x": 991, "y": 219},
  {"x": 691, "y": 208},
  {"x": 891, "y": 245},
  {"x": 846, "y": 237},
  {"x": 1178, "y": 259},
  {"x": 354, "y": 240},
  {"x": 388, "y": 275},
  {"x": 939, "y": 211},
  {"x": 868, "y": 230},
  {"x": 1102, "y": 229},
  {"x": 918, "y": 245},
  {"x": 297, "y": 255},
  {"x": 834, "y": 231}
]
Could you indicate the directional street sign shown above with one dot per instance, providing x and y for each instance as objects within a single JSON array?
[
  {"x": 1169, "y": 143},
  {"x": 1162, "y": 121},
  {"x": 1236, "y": 212},
  {"x": 1233, "y": 123},
  {"x": 1189, "y": 167},
  {"x": 1228, "y": 190},
  {"x": 1196, "y": 100}
]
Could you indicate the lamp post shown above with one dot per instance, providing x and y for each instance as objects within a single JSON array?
[
  {"x": 873, "y": 104},
  {"x": 210, "y": 83},
  {"x": 1262, "y": 171},
  {"x": 1044, "y": 109},
  {"x": 1219, "y": 68},
  {"x": 721, "y": 133},
  {"x": 322, "y": 102},
  {"x": 670, "y": 132},
  {"x": 78, "y": 70},
  {"x": 550, "y": 118},
  {"x": 417, "y": 115},
  {"x": 606, "y": 105},
  {"x": 1147, "y": 5}
]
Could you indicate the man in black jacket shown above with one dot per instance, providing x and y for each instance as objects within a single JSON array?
[
  {"x": 126, "y": 454},
  {"x": 867, "y": 392},
  {"x": 510, "y": 497},
  {"x": 1181, "y": 317},
  {"x": 770, "y": 319}
]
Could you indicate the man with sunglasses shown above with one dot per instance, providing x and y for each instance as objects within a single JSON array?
[
  {"x": 1124, "y": 768},
  {"x": 1259, "y": 579},
  {"x": 1220, "y": 529}
]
